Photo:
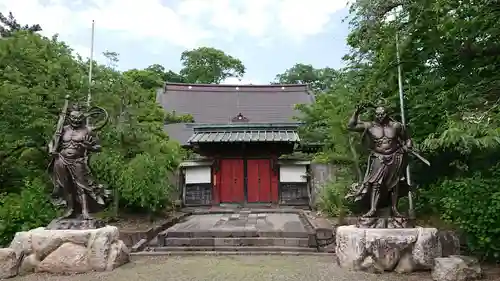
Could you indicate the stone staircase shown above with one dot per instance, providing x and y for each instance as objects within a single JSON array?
[
  {"x": 242, "y": 232},
  {"x": 238, "y": 242}
]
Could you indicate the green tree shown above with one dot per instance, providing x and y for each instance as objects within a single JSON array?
[
  {"x": 166, "y": 75},
  {"x": 450, "y": 75},
  {"x": 209, "y": 66},
  {"x": 318, "y": 79},
  {"x": 153, "y": 76},
  {"x": 8, "y": 25},
  {"x": 325, "y": 123},
  {"x": 145, "y": 78},
  {"x": 35, "y": 75}
]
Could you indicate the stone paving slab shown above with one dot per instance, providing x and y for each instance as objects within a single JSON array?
[
  {"x": 232, "y": 250},
  {"x": 232, "y": 234},
  {"x": 240, "y": 241},
  {"x": 241, "y": 224}
]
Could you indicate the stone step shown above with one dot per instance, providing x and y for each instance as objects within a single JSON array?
[
  {"x": 232, "y": 234},
  {"x": 240, "y": 241},
  {"x": 227, "y": 253},
  {"x": 268, "y": 249}
]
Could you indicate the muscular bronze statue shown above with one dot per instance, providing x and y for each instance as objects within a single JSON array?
[
  {"x": 389, "y": 144},
  {"x": 70, "y": 149}
]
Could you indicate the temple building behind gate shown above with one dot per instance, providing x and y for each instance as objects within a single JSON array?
[{"x": 239, "y": 133}]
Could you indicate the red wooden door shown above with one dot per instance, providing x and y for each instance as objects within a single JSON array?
[
  {"x": 259, "y": 181},
  {"x": 231, "y": 181}
]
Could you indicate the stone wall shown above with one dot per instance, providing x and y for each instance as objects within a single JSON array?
[
  {"x": 174, "y": 179},
  {"x": 321, "y": 174}
]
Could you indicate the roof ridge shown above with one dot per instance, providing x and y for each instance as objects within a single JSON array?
[
  {"x": 236, "y": 85},
  {"x": 267, "y": 89},
  {"x": 230, "y": 85}
]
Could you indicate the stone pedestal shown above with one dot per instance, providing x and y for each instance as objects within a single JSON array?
[
  {"x": 377, "y": 250},
  {"x": 65, "y": 251}
]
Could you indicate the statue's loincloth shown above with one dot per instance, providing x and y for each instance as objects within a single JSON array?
[
  {"x": 386, "y": 171},
  {"x": 77, "y": 174}
]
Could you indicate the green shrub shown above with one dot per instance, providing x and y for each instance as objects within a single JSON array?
[
  {"x": 145, "y": 185},
  {"x": 31, "y": 208},
  {"x": 332, "y": 199},
  {"x": 473, "y": 205}
]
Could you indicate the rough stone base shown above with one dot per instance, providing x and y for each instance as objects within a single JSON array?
[
  {"x": 65, "y": 251},
  {"x": 456, "y": 268},
  {"x": 8, "y": 263},
  {"x": 76, "y": 224},
  {"x": 377, "y": 250}
]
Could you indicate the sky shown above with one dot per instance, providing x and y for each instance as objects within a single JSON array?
[{"x": 269, "y": 36}]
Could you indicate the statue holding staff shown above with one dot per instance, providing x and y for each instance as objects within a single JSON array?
[{"x": 70, "y": 148}]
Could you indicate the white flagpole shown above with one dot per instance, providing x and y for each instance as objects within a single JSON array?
[
  {"x": 411, "y": 211},
  {"x": 89, "y": 95}
]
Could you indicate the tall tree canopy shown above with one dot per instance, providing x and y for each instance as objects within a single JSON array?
[
  {"x": 154, "y": 76},
  {"x": 209, "y": 66},
  {"x": 8, "y": 25},
  {"x": 318, "y": 79}
]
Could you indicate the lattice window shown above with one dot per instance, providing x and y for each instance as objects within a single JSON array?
[
  {"x": 198, "y": 194},
  {"x": 294, "y": 193}
]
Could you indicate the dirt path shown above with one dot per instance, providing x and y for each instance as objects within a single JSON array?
[{"x": 242, "y": 268}]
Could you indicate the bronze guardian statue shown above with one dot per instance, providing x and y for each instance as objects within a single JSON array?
[
  {"x": 390, "y": 145},
  {"x": 70, "y": 149}
]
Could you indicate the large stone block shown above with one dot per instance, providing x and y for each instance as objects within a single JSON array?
[
  {"x": 68, "y": 251},
  {"x": 8, "y": 263},
  {"x": 377, "y": 250},
  {"x": 456, "y": 268}
]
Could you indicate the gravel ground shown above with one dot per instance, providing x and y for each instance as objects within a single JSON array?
[{"x": 242, "y": 268}]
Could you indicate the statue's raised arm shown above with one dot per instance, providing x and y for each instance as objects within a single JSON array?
[{"x": 355, "y": 124}]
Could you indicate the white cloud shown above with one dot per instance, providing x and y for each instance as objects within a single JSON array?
[
  {"x": 303, "y": 18},
  {"x": 152, "y": 24},
  {"x": 186, "y": 24},
  {"x": 263, "y": 19},
  {"x": 84, "y": 52},
  {"x": 147, "y": 19}
]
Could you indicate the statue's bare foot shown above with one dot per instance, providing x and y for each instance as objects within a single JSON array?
[
  {"x": 86, "y": 217},
  {"x": 370, "y": 214},
  {"x": 396, "y": 213},
  {"x": 67, "y": 214}
]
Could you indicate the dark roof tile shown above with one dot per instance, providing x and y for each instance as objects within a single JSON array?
[{"x": 215, "y": 104}]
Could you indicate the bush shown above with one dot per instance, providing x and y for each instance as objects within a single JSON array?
[
  {"x": 473, "y": 205},
  {"x": 145, "y": 185},
  {"x": 332, "y": 199},
  {"x": 21, "y": 212}
]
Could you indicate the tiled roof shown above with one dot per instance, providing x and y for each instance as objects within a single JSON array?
[
  {"x": 244, "y": 133},
  {"x": 219, "y": 104},
  {"x": 245, "y": 136}
]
